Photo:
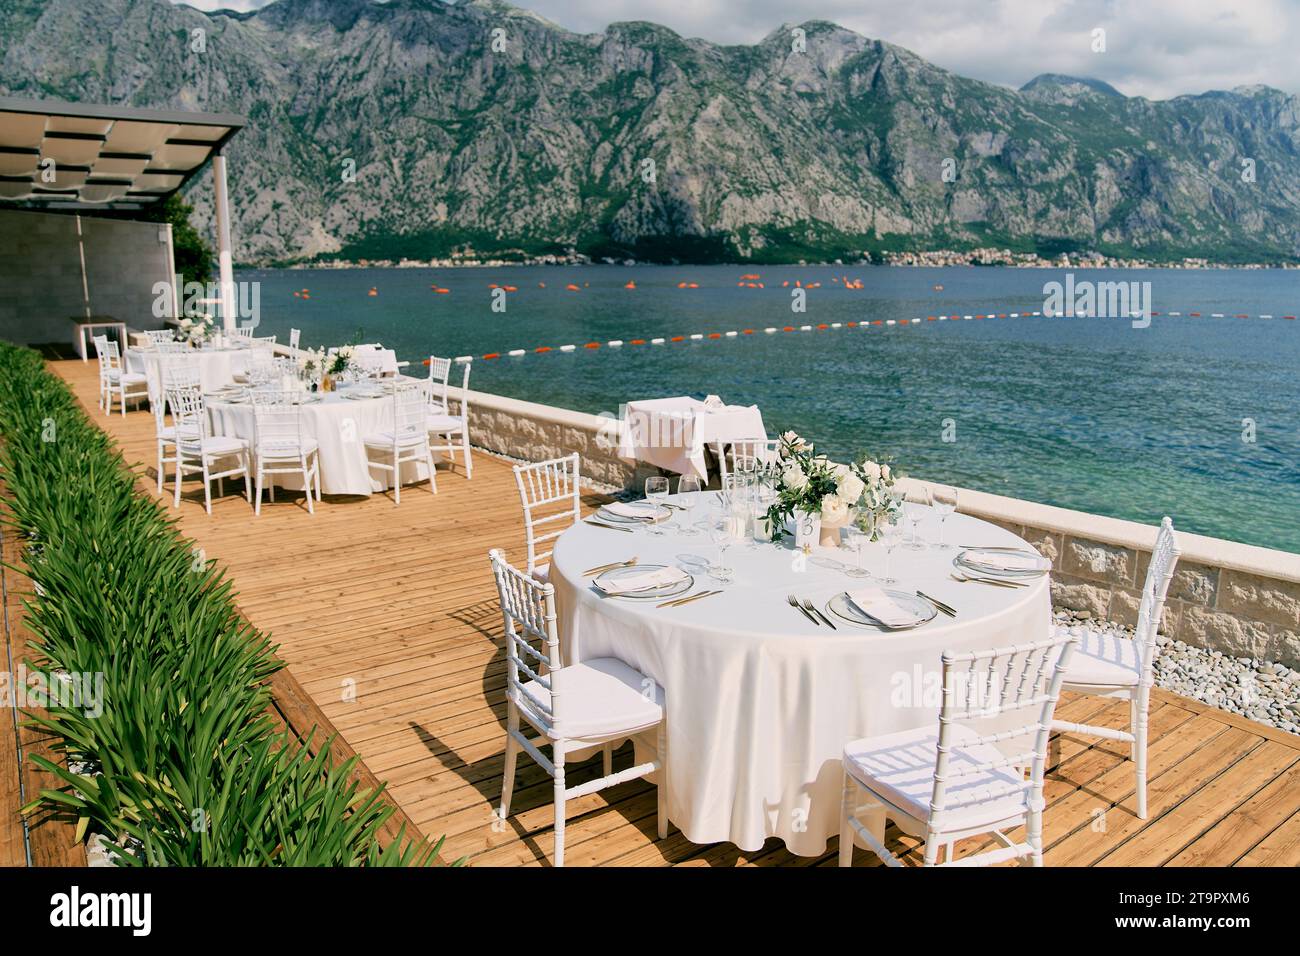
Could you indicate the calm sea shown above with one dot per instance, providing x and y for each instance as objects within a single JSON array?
[{"x": 1084, "y": 413}]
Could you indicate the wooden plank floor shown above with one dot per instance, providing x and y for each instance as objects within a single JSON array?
[{"x": 387, "y": 616}]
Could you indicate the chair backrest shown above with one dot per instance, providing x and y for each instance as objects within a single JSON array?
[
  {"x": 160, "y": 336},
  {"x": 1005, "y": 697},
  {"x": 186, "y": 404},
  {"x": 170, "y": 348},
  {"x": 173, "y": 371},
  {"x": 1164, "y": 559},
  {"x": 263, "y": 341},
  {"x": 410, "y": 411},
  {"x": 244, "y": 332},
  {"x": 548, "y": 486},
  {"x": 532, "y": 647},
  {"x": 763, "y": 451},
  {"x": 277, "y": 422},
  {"x": 464, "y": 396},
  {"x": 108, "y": 353},
  {"x": 439, "y": 377},
  {"x": 295, "y": 336}
]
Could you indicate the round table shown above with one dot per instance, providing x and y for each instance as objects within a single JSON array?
[
  {"x": 339, "y": 424},
  {"x": 760, "y": 702}
]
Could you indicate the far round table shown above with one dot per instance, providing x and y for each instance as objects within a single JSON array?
[{"x": 760, "y": 702}]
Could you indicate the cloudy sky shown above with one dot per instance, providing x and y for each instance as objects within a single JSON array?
[{"x": 1155, "y": 48}]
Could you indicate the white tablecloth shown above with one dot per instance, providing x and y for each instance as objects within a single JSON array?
[
  {"x": 217, "y": 367},
  {"x": 339, "y": 424},
  {"x": 759, "y": 701},
  {"x": 672, "y": 432}
]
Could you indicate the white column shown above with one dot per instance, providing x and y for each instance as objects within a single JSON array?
[{"x": 224, "y": 262}]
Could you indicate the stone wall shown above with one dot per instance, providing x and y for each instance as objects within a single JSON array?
[{"x": 1235, "y": 598}]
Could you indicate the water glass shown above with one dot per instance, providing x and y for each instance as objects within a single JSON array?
[
  {"x": 656, "y": 491},
  {"x": 944, "y": 499},
  {"x": 688, "y": 496},
  {"x": 862, "y": 524},
  {"x": 720, "y": 533},
  {"x": 913, "y": 511},
  {"x": 889, "y": 529}
]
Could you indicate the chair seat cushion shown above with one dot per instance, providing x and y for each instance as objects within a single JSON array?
[
  {"x": 127, "y": 378},
  {"x": 1101, "y": 658},
  {"x": 386, "y": 439},
  {"x": 287, "y": 448},
  {"x": 600, "y": 697},
  {"x": 542, "y": 573},
  {"x": 216, "y": 446},
  {"x": 444, "y": 424},
  {"x": 900, "y": 769},
  {"x": 168, "y": 433}
]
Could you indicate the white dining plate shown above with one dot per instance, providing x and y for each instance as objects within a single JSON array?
[
  {"x": 656, "y": 513},
  {"x": 924, "y": 611},
  {"x": 663, "y": 591},
  {"x": 984, "y": 561}
]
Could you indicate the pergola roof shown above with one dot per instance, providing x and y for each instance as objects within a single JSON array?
[{"x": 103, "y": 156}]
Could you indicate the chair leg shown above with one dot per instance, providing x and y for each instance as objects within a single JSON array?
[
  {"x": 306, "y": 484},
  {"x": 433, "y": 472},
  {"x": 1140, "y": 705},
  {"x": 661, "y": 806},
  {"x": 248, "y": 483},
  {"x": 1034, "y": 836},
  {"x": 512, "y": 751},
  {"x": 160, "y": 468},
  {"x": 469, "y": 465},
  {"x": 558, "y": 758},
  {"x": 846, "y": 812},
  {"x": 316, "y": 474},
  {"x": 176, "y": 501},
  {"x": 931, "y": 856},
  {"x": 257, "y": 490},
  {"x": 397, "y": 478}
]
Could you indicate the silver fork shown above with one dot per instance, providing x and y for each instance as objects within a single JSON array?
[
  {"x": 812, "y": 609},
  {"x": 794, "y": 603}
]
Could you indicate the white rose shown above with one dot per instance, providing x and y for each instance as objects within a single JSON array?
[
  {"x": 850, "y": 487},
  {"x": 794, "y": 478},
  {"x": 872, "y": 471},
  {"x": 835, "y": 511},
  {"x": 884, "y": 472},
  {"x": 839, "y": 471}
]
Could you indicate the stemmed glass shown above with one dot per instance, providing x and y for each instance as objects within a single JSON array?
[
  {"x": 861, "y": 526},
  {"x": 656, "y": 490},
  {"x": 688, "y": 496},
  {"x": 720, "y": 535},
  {"x": 912, "y": 511},
  {"x": 944, "y": 500},
  {"x": 889, "y": 529}
]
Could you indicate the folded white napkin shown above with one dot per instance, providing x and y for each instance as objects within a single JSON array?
[
  {"x": 638, "y": 509},
  {"x": 659, "y": 577},
  {"x": 878, "y": 604},
  {"x": 1010, "y": 561}
]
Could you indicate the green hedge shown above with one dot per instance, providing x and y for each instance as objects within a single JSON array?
[{"x": 184, "y": 765}]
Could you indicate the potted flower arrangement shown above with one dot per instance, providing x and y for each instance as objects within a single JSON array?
[
  {"x": 311, "y": 366},
  {"x": 813, "y": 493},
  {"x": 876, "y": 479},
  {"x": 342, "y": 359},
  {"x": 196, "y": 328}
]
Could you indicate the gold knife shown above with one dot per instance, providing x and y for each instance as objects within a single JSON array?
[{"x": 678, "y": 602}]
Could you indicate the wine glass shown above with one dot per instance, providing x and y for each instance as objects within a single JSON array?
[
  {"x": 720, "y": 535},
  {"x": 889, "y": 529},
  {"x": 913, "y": 512},
  {"x": 656, "y": 491},
  {"x": 688, "y": 496},
  {"x": 944, "y": 499},
  {"x": 861, "y": 526}
]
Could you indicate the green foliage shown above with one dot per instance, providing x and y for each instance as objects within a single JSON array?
[
  {"x": 192, "y": 770},
  {"x": 191, "y": 251}
]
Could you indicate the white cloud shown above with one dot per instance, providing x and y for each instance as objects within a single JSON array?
[{"x": 1155, "y": 48}]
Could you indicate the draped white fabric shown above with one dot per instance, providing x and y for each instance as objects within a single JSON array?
[
  {"x": 673, "y": 432},
  {"x": 339, "y": 424},
  {"x": 217, "y": 367},
  {"x": 760, "y": 702}
]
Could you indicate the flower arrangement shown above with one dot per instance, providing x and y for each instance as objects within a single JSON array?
[
  {"x": 344, "y": 358},
  {"x": 812, "y": 483},
  {"x": 196, "y": 328},
  {"x": 311, "y": 363}
]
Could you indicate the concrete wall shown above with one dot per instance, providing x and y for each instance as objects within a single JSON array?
[
  {"x": 1235, "y": 598},
  {"x": 41, "y": 279}
]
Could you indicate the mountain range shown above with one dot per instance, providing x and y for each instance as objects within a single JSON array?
[{"x": 416, "y": 127}]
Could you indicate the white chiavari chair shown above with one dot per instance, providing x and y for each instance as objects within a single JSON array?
[
  {"x": 577, "y": 707},
  {"x": 553, "y": 489},
  {"x": 173, "y": 372},
  {"x": 407, "y": 440},
  {"x": 762, "y": 451},
  {"x": 263, "y": 341},
  {"x": 197, "y": 450},
  {"x": 968, "y": 779},
  {"x": 439, "y": 379},
  {"x": 295, "y": 336},
  {"x": 280, "y": 446},
  {"x": 114, "y": 379},
  {"x": 244, "y": 332},
  {"x": 1108, "y": 665},
  {"x": 450, "y": 433}
]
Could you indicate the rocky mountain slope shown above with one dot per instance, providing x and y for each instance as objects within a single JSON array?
[{"x": 762, "y": 152}]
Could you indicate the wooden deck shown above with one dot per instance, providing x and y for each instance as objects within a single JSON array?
[{"x": 387, "y": 617}]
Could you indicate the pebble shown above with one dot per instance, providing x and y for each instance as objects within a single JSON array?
[{"x": 1267, "y": 692}]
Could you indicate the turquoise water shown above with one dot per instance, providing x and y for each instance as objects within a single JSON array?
[{"x": 1083, "y": 413}]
